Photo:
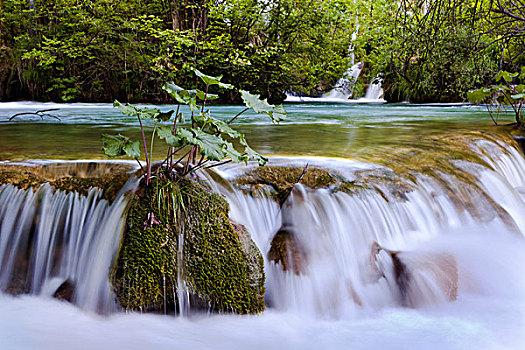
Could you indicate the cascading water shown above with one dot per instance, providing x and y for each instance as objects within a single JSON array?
[
  {"x": 48, "y": 237},
  {"x": 345, "y": 85},
  {"x": 368, "y": 251}
]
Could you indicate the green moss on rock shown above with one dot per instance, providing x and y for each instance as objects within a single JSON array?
[
  {"x": 77, "y": 177},
  {"x": 222, "y": 267}
]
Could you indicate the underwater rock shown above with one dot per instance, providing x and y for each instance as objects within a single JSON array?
[
  {"x": 65, "y": 291},
  {"x": 422, "y": 278},
  {"x": 286, "y": 250},
  {"x": 194, "y": 252}
]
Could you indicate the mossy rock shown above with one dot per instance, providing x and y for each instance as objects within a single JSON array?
[
  {"x": 69, "y": 177},
  {"x": 223, "y": 269},
  {"x": 281, "y": 179}
]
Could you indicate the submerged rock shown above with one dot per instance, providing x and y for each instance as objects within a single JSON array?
[
  {"x": 421, "y": 277},
  {"x": 192, "y": 250},
  {"x": 65, "y": 291},
  {"x": 285, "y": 250},
  {"x": 79, "y": 177}
]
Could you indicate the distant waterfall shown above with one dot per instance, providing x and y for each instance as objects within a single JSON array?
[
  {"x": 48, "y": 237},
  {"x": 345, "y": 85}
]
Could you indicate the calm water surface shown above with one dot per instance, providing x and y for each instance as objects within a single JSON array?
[{"x": 311, "y": 129}]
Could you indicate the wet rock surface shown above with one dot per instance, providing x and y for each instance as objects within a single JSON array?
[{"x": 69, "y": 176}]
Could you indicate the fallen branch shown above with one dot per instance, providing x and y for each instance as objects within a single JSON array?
[{"x": 42, "y": 113}]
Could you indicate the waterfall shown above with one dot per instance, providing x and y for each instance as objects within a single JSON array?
[
  {"x": 374, "y": 91},
  {"x": 345, "y": 85},
  {"x": 344, "y": 88},
  {"x": 52, "y": 239},
  {"x": 368, "y": 251}
]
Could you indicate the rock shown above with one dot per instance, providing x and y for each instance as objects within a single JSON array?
[
  {"x": 79, "y": 177},
  {"x": 286, "y": 251},
  {"x": 65, "y": 291},
  {"x": 422, "y": 278},
  {"x": 220, "y": 265}
]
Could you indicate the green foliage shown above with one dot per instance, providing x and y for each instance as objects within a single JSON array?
[
  {"x": 207, "y": 136},
  {"x": 262, "y": 106},
  {"x": 125, "y": 50},
  {"x": 505, "y": 93},
  {"x": 425, "y": 51},
  {"x": 119, "y": 145}
]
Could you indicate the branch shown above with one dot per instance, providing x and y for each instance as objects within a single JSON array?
[{"x": 41, "y": 113}]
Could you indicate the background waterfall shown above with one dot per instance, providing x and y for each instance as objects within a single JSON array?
[{"x": 48, "y": 237}]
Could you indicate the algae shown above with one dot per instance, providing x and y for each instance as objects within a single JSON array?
[{"x": 110, "y": 180}]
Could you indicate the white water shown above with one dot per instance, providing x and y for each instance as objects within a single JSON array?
[
  {"x": 319, "y": 308},
  {"x": 344, "y": 88},
  {"x": 66, "y": 237}
]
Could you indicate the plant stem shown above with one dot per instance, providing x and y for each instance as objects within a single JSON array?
[
  {"x": 145, "y": 150},
  {"x": 238, "y": 114},
  {"x": 151, "y": 147},
  {"x": 205, "y": 98}
]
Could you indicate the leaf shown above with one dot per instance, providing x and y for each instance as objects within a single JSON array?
[
  {"x": 518, "y": 96},
  {"x": 252, "y": 155},
  {"x": 144, "y": 113},
  {"x": 235, "y": 156},
  {"x": 478, "y": 96},
  {"x": 181, "y": 138},
  {"x": 210, "y": 80},
  {"x": 210, "y": 146},
  {"x": 165, "y": 116},
  {"x": 522, "y": 73},
  {"x": 253, "y": 101},
  {"x": 212, "y": 125},
  {"x": 508, "y": 77},
  {"x": 119, "y": 145}
]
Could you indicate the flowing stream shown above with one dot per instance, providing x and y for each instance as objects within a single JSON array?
[{"x": 458, "y": 240}]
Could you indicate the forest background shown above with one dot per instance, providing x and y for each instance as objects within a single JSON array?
[{"x": 98, "y": 51}]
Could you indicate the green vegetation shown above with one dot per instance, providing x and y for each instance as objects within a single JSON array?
[
  {"x": 423, "y": 50},
  {"x": 178, "y": 234},
  {"x": 69, "y": 50},
  {"x": 208, "y": 137},
  {"x": 505, "y": 93},
  {"x": 216, "y": 259}
]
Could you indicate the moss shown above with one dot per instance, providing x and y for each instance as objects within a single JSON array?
[
  {"x": 282, "y": 179},
  {"x": 222, "y": 267},
  {"x": 111, "y": 181}
]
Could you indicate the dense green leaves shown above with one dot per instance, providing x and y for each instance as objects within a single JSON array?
[{"x": 119, "y": 145}]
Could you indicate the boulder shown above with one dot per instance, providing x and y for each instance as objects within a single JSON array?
[
  {"x": 179, "y": 241},
  {"x": 285, "y": 250},
  {"x": 421, "y": 278},
  {"x": 65, "y": 291}
]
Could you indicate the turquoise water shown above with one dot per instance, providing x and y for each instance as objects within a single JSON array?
[{"x": 310, "y": 129}]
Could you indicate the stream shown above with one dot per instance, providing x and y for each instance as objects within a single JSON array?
[{"x": 444, "y": 195}]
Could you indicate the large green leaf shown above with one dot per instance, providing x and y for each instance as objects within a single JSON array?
[
  {"x": 144, "y": 113},
  {"x": 119, "y": 145},
  {"x": 210, "y": 80},
  {"x": 253, "y": 101},
  {"x": 212, "y": 125},
  {"x": 508, "y": 77},
  {"x": 235, "y": 156},
  {"x": 210, "y": 146},
  {"x": 478, "y": 96},
  {"x": 182, "y": 137},
  {"x": 252, "y": 155}
]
